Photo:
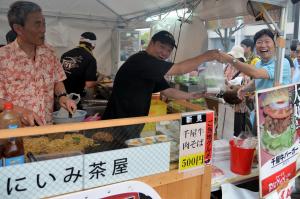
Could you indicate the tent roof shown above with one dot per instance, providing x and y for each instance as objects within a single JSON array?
[
  {"x": 220, "y": 9},
  {"x": 104, "y": 10},
  {"x": 126, "y": 11}
]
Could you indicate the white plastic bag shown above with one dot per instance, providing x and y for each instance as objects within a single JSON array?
[
  {"x": 63, "y": 113},
  {"x": 246, "y": 140},
  {"x": 214, "y": 77},
  {"x": 236, "y": 81}
]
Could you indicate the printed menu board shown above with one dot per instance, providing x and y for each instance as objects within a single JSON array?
[
  {"x": 278, "y": 127},
  {"x": 196, "y": 137}
]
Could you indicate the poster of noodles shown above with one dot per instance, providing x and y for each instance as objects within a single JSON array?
[{"x": 278, "y": 127}]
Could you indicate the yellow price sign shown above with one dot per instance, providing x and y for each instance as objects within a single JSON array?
[{"x": 191, "y": 161}]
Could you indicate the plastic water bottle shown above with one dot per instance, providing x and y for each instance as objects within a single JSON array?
[
  {"x": 12, "y": 148},
  {"x": 8, "y": 118}
]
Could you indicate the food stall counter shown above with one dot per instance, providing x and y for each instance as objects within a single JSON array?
[{"x": 163, "y": 176}]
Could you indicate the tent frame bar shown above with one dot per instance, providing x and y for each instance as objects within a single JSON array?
[
  {"x": 69, "y": 16},
  {"x": 110, "y": 9}
]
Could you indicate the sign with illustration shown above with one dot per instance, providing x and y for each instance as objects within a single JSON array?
[
  {"x": 278, "y": 119},
  {"x": 123, "y": 190},
  {"x": 196, "y": 136},
  {"x": 285, "y": 191}
]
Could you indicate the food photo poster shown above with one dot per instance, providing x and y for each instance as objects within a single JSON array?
[{"x": 278, "y": 128}]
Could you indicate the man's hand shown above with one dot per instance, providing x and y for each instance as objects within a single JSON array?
[
  {"x": 211, "y": 55},
  {"x": 68, "y": 104},
  {"x": 28, "y": 117},
  {"x": 241, "y": 93},
  {"x": 224, "y": 57}
]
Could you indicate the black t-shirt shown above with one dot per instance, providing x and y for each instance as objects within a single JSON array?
[
  {"x": 136, "y": 80},
  {"x": 80, "y": 66}
]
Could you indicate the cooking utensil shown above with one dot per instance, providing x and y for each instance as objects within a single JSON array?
[
  {"x": 94, "y": 106},
  {"x": 31, "y": 157},
  {"x": 35, "y": 123},
  {"x": 95, "y": 102}
]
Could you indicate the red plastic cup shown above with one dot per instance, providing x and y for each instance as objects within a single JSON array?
[{"x": 240, "y": 159}]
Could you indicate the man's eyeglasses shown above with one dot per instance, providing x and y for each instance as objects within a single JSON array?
[{"x": 260, "y": 42}]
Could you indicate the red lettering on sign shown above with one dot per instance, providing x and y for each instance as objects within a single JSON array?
[
  {"x": 209, "y": 137},
  {"x": 272, "y": 182}
]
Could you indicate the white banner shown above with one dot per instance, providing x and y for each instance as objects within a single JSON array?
[{"x": 65, "y": 175}]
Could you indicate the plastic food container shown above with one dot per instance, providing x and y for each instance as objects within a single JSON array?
[
  {"x": 78, "y": 116},
  {"x": 148, "y": 140},
  {"x": 133, "y": 142},
  {"x": 162, "y": 138}
]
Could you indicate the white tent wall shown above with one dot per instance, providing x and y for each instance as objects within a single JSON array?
[
  {"x": 64, "y": 34},
  {"x": 193, "y": 39},
  {"x": 4, "y": 28}
]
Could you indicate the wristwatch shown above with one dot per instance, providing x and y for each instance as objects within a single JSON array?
[{"x": 234, "y": 61}]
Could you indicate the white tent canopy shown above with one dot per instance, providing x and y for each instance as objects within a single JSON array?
[
  {"x": 67, "y": 19},
  {"x": 103, "y": 10}
]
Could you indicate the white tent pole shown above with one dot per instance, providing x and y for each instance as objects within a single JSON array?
[{"x": 280, "y": 51}]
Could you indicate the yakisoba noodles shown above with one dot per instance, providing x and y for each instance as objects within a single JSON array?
[{"x": 42, "y": 145}]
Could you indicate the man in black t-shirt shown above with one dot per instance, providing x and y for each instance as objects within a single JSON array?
[
  {"x": 80, "y": 65},
  {"x": 143, "y": 74}
]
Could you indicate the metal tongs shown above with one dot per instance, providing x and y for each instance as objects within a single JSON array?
[
  {"x": 31, "y": 157},
  {"x": 70, "y": 114}
]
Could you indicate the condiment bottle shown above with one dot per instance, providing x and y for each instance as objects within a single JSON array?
[
  {"x": 11, "y": 149},
  {"x": 14, "y": 152}
]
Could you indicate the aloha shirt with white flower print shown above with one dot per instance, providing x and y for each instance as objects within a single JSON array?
[{"x": 30, "y": 83}]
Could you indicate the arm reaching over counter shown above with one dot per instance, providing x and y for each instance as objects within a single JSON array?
[
  {"x": 192, "y": 64},
  {"x": 178, "y": 94},
  {"x": 144, "y": 73},
  {"x": 263, "y": 72}
]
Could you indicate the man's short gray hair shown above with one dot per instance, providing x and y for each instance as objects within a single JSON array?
[{"x": 19, "y": 10}]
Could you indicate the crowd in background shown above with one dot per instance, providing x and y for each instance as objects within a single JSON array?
[{"x": 259, "y": 54}]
